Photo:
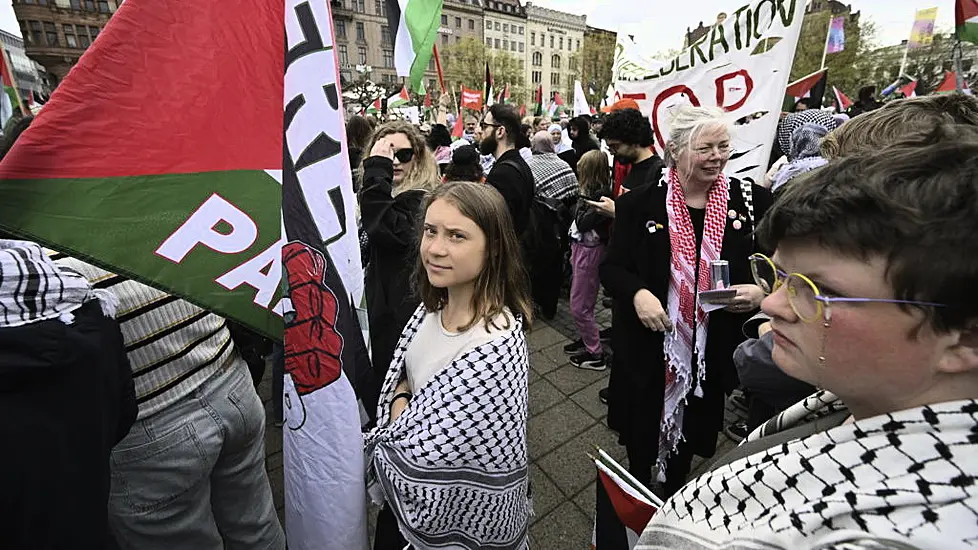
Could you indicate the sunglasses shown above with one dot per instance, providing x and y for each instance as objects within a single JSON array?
[{"x": 404, "y": 155}]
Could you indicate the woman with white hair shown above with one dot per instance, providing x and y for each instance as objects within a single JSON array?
[{"x": 672, "y": 351}]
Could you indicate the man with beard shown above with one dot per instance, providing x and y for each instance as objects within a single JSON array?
[
  {"x": 628, "y": 136},
  {"x": 510, "y": 174}
]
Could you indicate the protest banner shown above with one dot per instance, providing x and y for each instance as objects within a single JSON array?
[{"x": 742, "y": 66}]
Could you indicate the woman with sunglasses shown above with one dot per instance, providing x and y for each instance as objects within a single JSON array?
[
  {"x": 672, "y": 361},
  {"x": 395, "y": 176}
]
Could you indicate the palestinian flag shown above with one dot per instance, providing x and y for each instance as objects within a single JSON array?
[
  {"x": 950, "y": 84},
  {"x": 811, "y": 86},
  {"x": 458, "y": 130},
  {"x": 374, "y": 108},
  {"x": 842, "y": 103},
  {"x": 504, "y": 96},
  {"x": 414, "y": 26},
  {"x": 559, "y": 101},
  {"x": 398, "y": 99},
  {"x": 623, "y": 506},
  {"x": 910, "y": 90},
  {"x": 488, "y": 90},
  {"x": 966, "y": 20},
  {"x": 11, "y": 98},
  {"x": 221, "y": 198}
]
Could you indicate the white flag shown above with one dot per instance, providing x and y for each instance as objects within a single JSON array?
[{"x": 580, "y": 100}]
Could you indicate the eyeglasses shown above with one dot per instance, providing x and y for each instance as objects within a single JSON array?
[
  {"x": 484, "y": 124},
  {"x": 805, "y": 299},
  {"x": 404, "y": 155}
]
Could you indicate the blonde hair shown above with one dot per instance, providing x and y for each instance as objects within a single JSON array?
[
  {"x": 687, "y": 124},
  {"x": 503, "y": 281},
  {"x": 424, "y": 172},
  {"x": 594, "y": 173}
]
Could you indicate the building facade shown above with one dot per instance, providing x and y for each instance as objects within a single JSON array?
[
  {"x": 505, "y": 26},
  {"x": 364, "y": 45},
  {"x": 555, "y": 46},
  {"x": 460, "y": 19},
  {"x": 22, "y": 68},
  {"x": 57, "y": 32}
]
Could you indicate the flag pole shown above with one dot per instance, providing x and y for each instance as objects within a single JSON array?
[
  {"x": 13, "y": 84},
  {"x": 441, "y": 75},
  {"x": 958, "y": 74},
  {"x": 825, "y": 50}
]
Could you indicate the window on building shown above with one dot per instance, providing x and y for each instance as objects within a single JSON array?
[
  {"x": 488, "y": 42},
  {"x": 505, "y": 27},
  {"x": 361, "y": 34},
  {"x": 431, "y": 64},
  {"x": 69, "y": 31},
  {"x": 561, "y": 43},
  {"x": 543, "y": 40},
  {"x": 431, "y": 84},
  {"x": 505, "y": 44},
  {"x": 380, "y": 8},
  {"x": 570, "y": 81},
  {"x": 93, "y": 32},
  {"x": 551, "y": 41},
  {"x": 458, "y": 39},
  {"x": 555, "y": 79},
  {"x": 521, "y": 47},
  {"x": 385, "y": 35},
  {"x": 537, "y": 59},
  {"x": 444, "y": 39},
  {"x": 344, "y": 55},
  {"x": 489, "y": 25},
  {"x": 75, "y": 4},
  {"x": 497, "y": 25},
  {"x": 536, "y": 77},
  {"x": 533, "y": 39},
  {"x": 103, "y": 6},
  {"x": 458, "y": 22},
  {"x": 361, "y": 55},
  {"x": 37, "y": 33},
  {"x": 512, "y": 46},
  {"x": 341, "y": 29},
  {"x": 389, "y": 59},
  {"x": 521, "y": 29},
  {"x": 555, "y": 62},
  {"x": 572, "y": 63},
  {"x": 52, "y": 34},
  {"x": 578, "y": 45},
  {"x": 360, "y": 6},
  {"x": 83, "y": 41},
  {"x": 471, "y": 24},
  {"x": 496, "y": 42}
]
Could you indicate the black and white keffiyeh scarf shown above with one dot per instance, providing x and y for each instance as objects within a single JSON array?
[
  {"x": 453, "y": 466},
  {"x": 33, "y": 288},
  {"x": 900, "y": 480}
]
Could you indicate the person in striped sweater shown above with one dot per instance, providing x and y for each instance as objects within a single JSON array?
[{"x": 191, "y": 472}]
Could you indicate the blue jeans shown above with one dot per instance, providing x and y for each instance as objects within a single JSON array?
[{"x": 193, "y": 475}]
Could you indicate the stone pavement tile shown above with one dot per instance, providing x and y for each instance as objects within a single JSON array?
[
  {"x": 570, "y": 379},
  {"x": 556, "y": 354},
  {"x": 587, "y": 398},
  {"x": 543, "y": 395},
  {"x": 544, "y": 336},
  {"x": 556, "y": 426},
  {"x": 546, "y": 495},
  {"x": 277, "y": 481},
  {"x": 566, "y": 528},
  {"x": 533, "y": 376},
  {"x": 542, "y": 364},
  {"x": 274, "y": 462},
  {"x": 585, "y": 500},
  {"x": 273, "y": 440},
  {"x": 569, "y": 465}
]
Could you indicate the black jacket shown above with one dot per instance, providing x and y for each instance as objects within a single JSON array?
[
  {"x": 645, "y": 172},
  {"x": 638, "y": 259},
  {"x": 391, "y": 224},
  {"x": 588, "y": 217},
  {"x": 511, "y": 176},
  {"x": 66, "y": 398}
]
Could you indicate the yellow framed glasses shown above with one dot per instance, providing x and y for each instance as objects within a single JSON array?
[{"x": 804, "y": 297}]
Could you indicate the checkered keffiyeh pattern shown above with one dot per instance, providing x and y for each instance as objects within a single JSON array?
[
  {"x": 553, "y": 178},
  {"x": 683, "y": 307},
  {"x": 901, "y": 480}
]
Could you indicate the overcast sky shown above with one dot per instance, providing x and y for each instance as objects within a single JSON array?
[{"x": 661, "y": 26}]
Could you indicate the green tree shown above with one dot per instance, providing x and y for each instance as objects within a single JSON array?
[
  {"x": 464, "y": 64},
  {"x": 594, "y": 62},
  {"x": 848, "y": 68}
]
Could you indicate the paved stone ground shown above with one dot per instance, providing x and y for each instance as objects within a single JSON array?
[{"x": 566, "y": 421}]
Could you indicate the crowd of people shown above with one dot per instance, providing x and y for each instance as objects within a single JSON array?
[{"x": 846, "y": 317}]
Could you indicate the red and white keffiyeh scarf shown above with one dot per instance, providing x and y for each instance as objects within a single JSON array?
[{"x": 688, "y": 317}]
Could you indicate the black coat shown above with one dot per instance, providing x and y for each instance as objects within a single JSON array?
[
  {"x": 66, "y": 398},
  {"x": 512, "y": 177},
  {"x": 637, "y": 259},
  {"x": 391, "y": 224}
]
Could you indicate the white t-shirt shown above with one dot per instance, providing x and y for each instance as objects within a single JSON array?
[{"x": 434, "y": 348}]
